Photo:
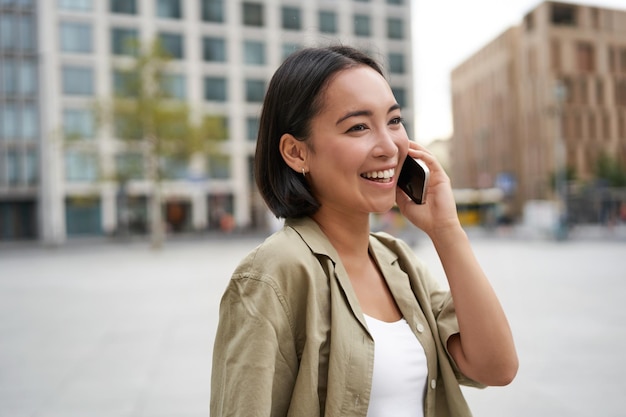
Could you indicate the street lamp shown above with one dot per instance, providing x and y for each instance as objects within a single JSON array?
[{"x": 560, "y": 164}]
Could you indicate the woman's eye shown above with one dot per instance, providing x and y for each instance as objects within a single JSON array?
[
  {"x": 396, "y": 121},
  {"x": 357, "y": 128}
]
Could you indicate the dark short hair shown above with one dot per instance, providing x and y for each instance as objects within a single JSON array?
[{"x": 294, "y": 96}]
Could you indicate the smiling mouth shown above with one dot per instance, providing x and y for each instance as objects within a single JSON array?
[{"x": 380, "y": 176}]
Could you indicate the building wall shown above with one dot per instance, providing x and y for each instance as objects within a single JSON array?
[
  {"x": 584, "y": 49},
  {"x": 78, "y": 49}
]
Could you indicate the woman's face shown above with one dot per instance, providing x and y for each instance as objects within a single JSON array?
[{"x": 358, "y": 144}]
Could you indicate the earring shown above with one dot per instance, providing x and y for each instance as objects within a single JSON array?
[{"x": 303, "y": 172}]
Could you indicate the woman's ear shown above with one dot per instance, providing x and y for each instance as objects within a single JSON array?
[{"x": 294, "y": 152}]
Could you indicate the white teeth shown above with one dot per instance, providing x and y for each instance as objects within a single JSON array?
[{"x": 388, "y": 173}]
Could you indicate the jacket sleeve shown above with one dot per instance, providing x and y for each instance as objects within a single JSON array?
[
  {"x": 254, "y": 358},
  {"x": 442, "y": 305}
]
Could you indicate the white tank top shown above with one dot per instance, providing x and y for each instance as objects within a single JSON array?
[{"x": 400, "y": 370}]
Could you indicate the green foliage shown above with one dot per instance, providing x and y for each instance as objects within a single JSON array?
[
  {"x": 570, "y": 176},
  {"x": 611, "y": 170}
]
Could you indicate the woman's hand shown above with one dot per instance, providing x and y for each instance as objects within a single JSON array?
[{"x": 439, "y": 212}]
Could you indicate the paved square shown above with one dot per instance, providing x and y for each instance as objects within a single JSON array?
[{"x": 116, "y": 329}]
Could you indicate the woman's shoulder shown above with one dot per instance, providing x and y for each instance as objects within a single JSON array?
[{"x": 279, "y": 256}]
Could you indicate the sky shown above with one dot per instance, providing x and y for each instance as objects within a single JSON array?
[{"x": 445, "y": 33}]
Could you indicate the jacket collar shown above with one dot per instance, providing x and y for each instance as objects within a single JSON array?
[{"x": 316, "y": 240}]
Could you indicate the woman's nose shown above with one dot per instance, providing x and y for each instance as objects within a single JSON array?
[{"x": 387, "y": 144}]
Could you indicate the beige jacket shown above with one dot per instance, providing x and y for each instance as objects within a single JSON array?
[{"x": 292, "y": 340}]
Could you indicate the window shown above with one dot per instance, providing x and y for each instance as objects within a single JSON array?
[
  {"x": 8, "y": 68},
  {"x": 8, "y": 35},
  {"x": 254, "y": 52},
  {"x": 213, "y": 11},
  {"x": 252, "y": 128},
  {"x": 27, "y": 73},
  {"x": 289, "y": 48},
  {"x": 32, "y": 167},
  {"x": 563, "y": 14},
  {"x": 17, "y": 32},
  {"x": 29, "y": 122},
  {"x": 169, "y": 9},
  {"x": 26, "y": 33},
  {"x": 219, "y": 166},
  {"x": 215, "y": 89},
  {"x": 175, "y": 86},
  {"x": 125, "y": 83},
  {"x": 599, "y": 92},
  {"x": 129, "y": 165},
  {"x": 124, "y": 6},
  {"x": 362, "y": 25},
  {"x": 328, "y": 22},
  {"x": 620, "y": 92},
  {"x": 396, "y": 63},
  {"x": 13, "y": 167},
  {"x": 395, "y": 28},
  {"x": 76, "y": 37},
  {"x": 76, "y": 5},
  {"x": 214, "y": 49},
  {"x": 78, "y": 124},
  {"x": 291, "y": 18},
  {"x": 77, "y": 80},
  {"x": 400, "y": 95},
  {"x": 255, "y": 91},
  {"x": 172, "y": 43},
  {"x": 80, "y": 166},
  {"x": 124, "y": 41},
  {"x": 555, "y": 55},
  {"x": 8, "y": 114},
  {"x": 252, "y": 14},
  {"x": 585, "y": 57}
]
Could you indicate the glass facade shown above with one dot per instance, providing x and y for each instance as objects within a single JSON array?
[
  {"x": 395, "y": 28},
  {"x": 77, "y": 80},
  {"x": 173, "y": 44},
  {"x": 123, "y": 6},
  {"x": 328, "y": 22},
  {"x": 75, "y": 37},
  {"x": 175, "y": 86},
  {"x": 81, "y": 166},
  {"x": 169, "y": 9},
  {"x": 214, "y": 49},
  {"x": 124, "y": 41},
  {"x": 78, "y": 124},
  {"x": 215, "y": 88},
  {"x": 255, "y": 91},
  {"x": 76, "y": 5},
  {"x": 362, "y": 25},
  {"x": 291, "y": 18},
  {"x": 252, "y": 14},
  {"x": 254, "y": 52},
  {"x": 396, "y": 63},
  {"x": 212, "y": 11}
]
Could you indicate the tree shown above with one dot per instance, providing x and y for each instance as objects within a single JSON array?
[
  {"x": 145, "y": 114},
  {"x": 611, "y": 170}
]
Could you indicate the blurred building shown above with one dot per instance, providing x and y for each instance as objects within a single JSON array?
[
  {"x": 546, "y": 94},
  {"x": 57, "y": 57}
]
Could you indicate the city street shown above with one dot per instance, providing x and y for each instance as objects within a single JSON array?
[{"x": 108, "y": 329}]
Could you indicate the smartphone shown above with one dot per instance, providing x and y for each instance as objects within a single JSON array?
[{"x": 413, "y": 179}]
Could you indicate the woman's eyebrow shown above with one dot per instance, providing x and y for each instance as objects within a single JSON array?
[{"x": 357, "y": 113}]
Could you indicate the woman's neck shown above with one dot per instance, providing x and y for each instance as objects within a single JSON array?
[{"x": 348, "y": 233}]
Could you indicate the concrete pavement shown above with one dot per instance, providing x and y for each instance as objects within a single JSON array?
[{"x": 106, "y": 329}]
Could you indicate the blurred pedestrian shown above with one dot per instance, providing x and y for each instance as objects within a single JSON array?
[{"x": 326, "y": 318}]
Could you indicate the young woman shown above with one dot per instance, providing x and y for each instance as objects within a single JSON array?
[{"x": 326, "y": 318}]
